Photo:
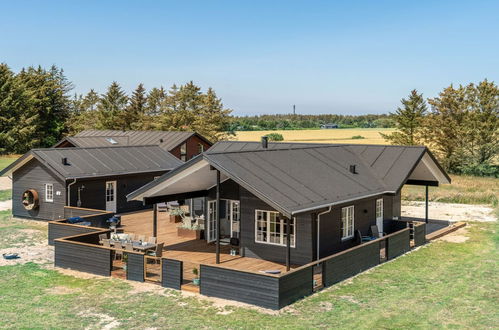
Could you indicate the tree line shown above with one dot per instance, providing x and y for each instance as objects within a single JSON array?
[
  {"x": 37, "y": 109},
  {"x": 296, "y": 121},
  {"x": 460, "y": 126}
]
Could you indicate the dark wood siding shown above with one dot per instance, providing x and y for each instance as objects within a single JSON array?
[
  {"x": 172, "y": 273},
  {"x": 83, "y": 258},
  {"x": 349, "y": 263},
  {"x": 398, "y": 244},
  {"x": 192, "y": 145},
  {"x": 59, "y": 230},
  {"x": 94, "y": 194},
  {"x": 301, "y": 254},
  {"x": 79, "y": 212},
  {"x": 135, "y": 267},
  {"x": 295, "y": 285},
  {"x": 34, "y": 175},
  {"x": 420, "y": 234},
  {"x": 255, "y": 289}
]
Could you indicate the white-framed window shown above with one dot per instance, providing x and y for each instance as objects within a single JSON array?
[
  {"x": 200, "y": 148},
  {"x": 271, "y": 229},
  {"x": 183, "y": 152},
  {"x": 347, "y": 219},
  {"x": 49, "y": 192},
  {"x": 379, "y": 208}
]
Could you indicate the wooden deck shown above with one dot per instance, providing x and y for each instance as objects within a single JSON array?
[{"x": 191, "y": 251}]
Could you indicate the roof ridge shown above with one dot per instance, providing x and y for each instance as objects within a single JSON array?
[{"x": 100, "y": 147}]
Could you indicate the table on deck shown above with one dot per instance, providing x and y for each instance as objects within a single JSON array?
[{"x": 137, "y": 245}]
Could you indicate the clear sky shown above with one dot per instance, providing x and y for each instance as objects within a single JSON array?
[{"x": 345, "y": 57}]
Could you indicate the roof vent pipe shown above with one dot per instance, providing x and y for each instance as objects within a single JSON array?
[
  {"x": 265, "y": 142},
  {"x": 65, "y": 161},
  {"x": 353, "y": 169}
]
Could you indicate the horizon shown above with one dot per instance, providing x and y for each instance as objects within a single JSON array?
[{"x": 260, "y": 58}]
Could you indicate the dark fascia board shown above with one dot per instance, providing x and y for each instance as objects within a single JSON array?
[
  {"x": 422, "y": 183},
  {"x": 164, "y": 177},
  {"x": 188, "y": 137},
  {"x": 174, "y": 197}
]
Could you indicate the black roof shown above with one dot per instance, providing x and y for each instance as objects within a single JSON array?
[
  {"x": 294, "y": 178},
  {"x": 100, "y": 161},
  {"x": 167, "y": 140}
]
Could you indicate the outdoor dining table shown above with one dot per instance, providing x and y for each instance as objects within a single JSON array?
[{"x": 137, "y": 245}]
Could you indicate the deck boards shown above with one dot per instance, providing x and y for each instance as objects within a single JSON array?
[{"x": 192, "y": 252}]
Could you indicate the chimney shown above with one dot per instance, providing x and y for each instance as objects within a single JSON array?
[
  {"x": 353, "y": 169},
  {"x": 65, "y": 161},
  {"x": 265, "y": 142}
]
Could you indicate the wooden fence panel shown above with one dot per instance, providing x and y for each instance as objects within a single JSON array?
[
  {"x": 398, "y": 244},
  {"x": 135, "y": 267},
  {"x": 60, "y": 230},
  {"x": 83, "y": 258},
  {"x": 296, "y": 285},
  {"x": 347, "y": 264},
  {"x": 172, "y": 273},
  {"x": 251, "y": 288},
  {"x": 420, "y": 234}
]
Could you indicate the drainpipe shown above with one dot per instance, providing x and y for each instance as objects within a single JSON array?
[
  {"x": 318, "y": 228},
  {"x": 69, "y": 191}
]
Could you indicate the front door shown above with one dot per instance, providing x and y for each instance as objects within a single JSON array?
[
  {"x": 111, "y": 196},
  {"x": 379, "y": 215},
  {"x": 211, "y": 225}
]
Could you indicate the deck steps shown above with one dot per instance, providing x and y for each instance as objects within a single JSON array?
[{"x": 190, "y": 287}]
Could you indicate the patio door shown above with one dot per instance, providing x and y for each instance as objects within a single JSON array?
[
  {"x": 211, "y": 225},
  {"x": 111, "y": 196},
  {"x": 234, "y": 218},
  {"x": 379, "y": 215}
]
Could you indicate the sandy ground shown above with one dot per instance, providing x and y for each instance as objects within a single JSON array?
[
  {"x": 5, "y": 183},
  {"x": 449, "y": 211},
  {"x": 6, "y": 205}
]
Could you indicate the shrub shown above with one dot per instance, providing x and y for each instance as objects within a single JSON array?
[{"x": 275, "y": 137}]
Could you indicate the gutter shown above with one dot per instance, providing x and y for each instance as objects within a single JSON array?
[
  {"x": 68, "y": 190},
  {"x": 318, "y": 228}
]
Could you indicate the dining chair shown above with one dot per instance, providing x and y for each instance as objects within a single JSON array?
[
  {"x": 152, "y": 240},
  {"x": 106, "y": 242},
  {"x": 128, "y": 246},
  {"x": 158, "y": 252},
  {"x": 102, "y": 237}
]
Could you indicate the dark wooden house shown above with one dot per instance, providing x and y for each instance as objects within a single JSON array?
[
  {"x": 183, "y": 145},
  {"x": 46, "y": 180},
  {"x": 296, "y": 203}
]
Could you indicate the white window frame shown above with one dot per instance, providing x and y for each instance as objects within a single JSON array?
[
  {"x": 379, "y": 208},
  {"x": 183, "y": 152},
  {"x": 347, "y": 222},
  {"x": 282, "y": 222},
  {"x": 49, "y": 194}
]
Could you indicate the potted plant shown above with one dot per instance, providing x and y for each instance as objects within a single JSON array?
[
  {"x": 176, "y": 215},
  {"x": 125, "y": 261},
  {"x": 195, "y": 281},
  {"x": 189, "y": 230}
]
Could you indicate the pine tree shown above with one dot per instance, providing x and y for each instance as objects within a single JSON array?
[
  {"x": 408, "y": 120},
  {"x": 212, "y": 120},
  {"x": 445, "y": 127},
  {"x": 90, "y": 101},
  {"x": 133, "y": 115},
  {"x": 111, "y": 106}
]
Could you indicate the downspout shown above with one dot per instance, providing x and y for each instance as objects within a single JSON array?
[
  {"x": 318, "y": 228},
  {"x": 69, "y": 191}
]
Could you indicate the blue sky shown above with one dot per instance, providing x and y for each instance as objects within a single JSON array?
[{"x": 349, "y": 57}]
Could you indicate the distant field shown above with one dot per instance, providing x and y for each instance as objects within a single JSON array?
[
  {"x": 7, "y": 160},
  {"x": 342, "y": 135}
]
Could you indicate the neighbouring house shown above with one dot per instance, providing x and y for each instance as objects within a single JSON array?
[
  {"x": 44, "y": 181},
  {"x": 324, "y": 193},
  {"x": 329, "y": 126},
  {"x": 183, "y": 145}
]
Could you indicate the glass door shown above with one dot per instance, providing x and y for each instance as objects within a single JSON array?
[
  {"x": 235, "y": 218},
  {"x": 211, "y": 226}
]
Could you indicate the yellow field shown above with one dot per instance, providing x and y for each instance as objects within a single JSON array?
[{"x": 343, "y": 135}]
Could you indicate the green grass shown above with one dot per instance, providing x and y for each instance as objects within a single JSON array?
[
  {"x": 7, "y": 160},
  {"x": 449, "y": 285},
  {"x": 20, "y": 233},
  {"x": 5, "y": 195}
]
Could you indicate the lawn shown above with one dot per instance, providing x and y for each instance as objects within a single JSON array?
[
  {"x": 5, "y": 195},
  {"x": 440, "y": 285},
  {"x": 343, "y": 135},
  {"x": 7, "y": 160}
]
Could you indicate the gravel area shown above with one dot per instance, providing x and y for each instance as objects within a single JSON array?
[{"x": 449, "y": 211}]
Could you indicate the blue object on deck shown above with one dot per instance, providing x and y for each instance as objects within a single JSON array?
[
  {"x": 10, "y": 256},
  {"x": 75, "y": 220}
]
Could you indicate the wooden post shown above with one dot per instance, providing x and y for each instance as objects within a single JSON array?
[
  {"x": 426, "y": 204},
  {"x": 288, "y": 244},
  {"x": 155, "y": 220},
  {"x": 218, "y": 218}
]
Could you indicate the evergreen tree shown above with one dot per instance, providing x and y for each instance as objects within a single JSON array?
[
  {"x": 90, "y": 101},
  {"x": 408, "y": 120},
  {"x": 111, "y": 106},
  {"x": 212, "y": 120},
  {"x": 133, "y": 115}
]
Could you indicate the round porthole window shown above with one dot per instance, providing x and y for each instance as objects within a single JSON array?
[{"x": 30, "y": 199}]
